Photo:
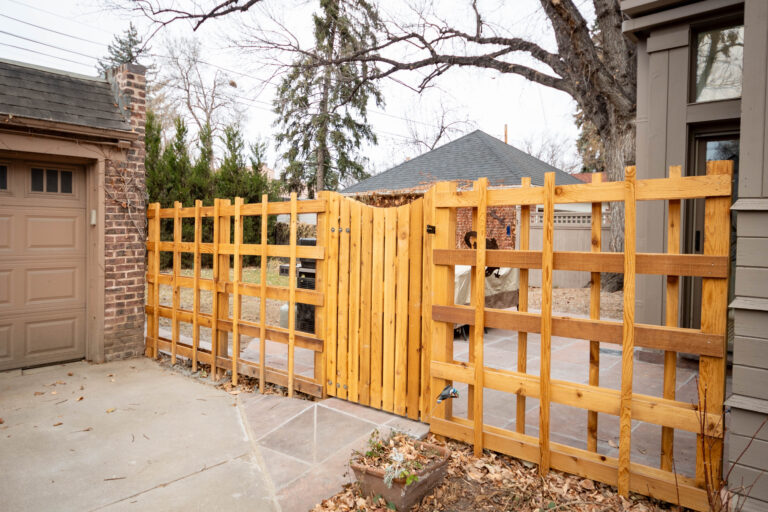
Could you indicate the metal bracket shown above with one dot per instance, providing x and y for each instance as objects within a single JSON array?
[{"x": 430, "y": 229}]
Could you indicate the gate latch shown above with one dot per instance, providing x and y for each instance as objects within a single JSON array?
[{"x": 430, "y": 229}]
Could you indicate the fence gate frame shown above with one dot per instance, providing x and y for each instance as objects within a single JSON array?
[{"x": 709, "y": 342}]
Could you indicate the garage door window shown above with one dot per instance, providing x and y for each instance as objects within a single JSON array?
[{"x": 51, "y": 181}]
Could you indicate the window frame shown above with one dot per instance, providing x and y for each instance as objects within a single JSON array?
[{"x": 722, "y": 22}]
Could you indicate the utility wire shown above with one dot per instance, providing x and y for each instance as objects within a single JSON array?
[
  {"x": 48, "y": 45},
  {"x": 46, "y": 54},
  {"x": 59, "y": 15},
  {"x": 51, "y": 30}
]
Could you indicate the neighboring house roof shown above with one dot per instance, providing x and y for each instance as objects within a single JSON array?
[
  {"x": 46, "y": 94},
  {"x": 467, "y": 158}
]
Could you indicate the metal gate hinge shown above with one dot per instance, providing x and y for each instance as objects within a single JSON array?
[{"x": 430, "y": 229}]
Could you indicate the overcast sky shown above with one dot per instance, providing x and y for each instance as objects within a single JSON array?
[{"x": 486, "y": 99}]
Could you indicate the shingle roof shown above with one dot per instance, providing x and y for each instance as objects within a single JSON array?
[
  {"x": 470, "y": 157},
  {"x": 50, "y": 95}
]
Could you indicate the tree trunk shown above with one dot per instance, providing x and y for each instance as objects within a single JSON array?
[{"x": 619, "y": 143}]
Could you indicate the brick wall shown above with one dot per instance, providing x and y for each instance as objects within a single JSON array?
[
  {"x": 499, "y": 217},
  {"x": 125, "y": 205}
]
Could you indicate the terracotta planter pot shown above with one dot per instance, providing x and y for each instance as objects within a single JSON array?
[{"x": 371, "y": 480}]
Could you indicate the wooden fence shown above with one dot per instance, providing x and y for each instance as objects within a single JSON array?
[
  {"x": 224, "y": 247},
  {"x": 385, "y": 312},
  {"x": 374, "y": 317},
  {"x": 709, "y": 342}
]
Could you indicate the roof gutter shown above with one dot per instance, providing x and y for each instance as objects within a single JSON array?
[{"x": 120, "y": 138}]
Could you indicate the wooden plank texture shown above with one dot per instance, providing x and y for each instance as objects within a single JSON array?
[
  {"x": 390, "y": 289},
  {"x": 522, "y": 336},
  {"x": 366, "y": 267},
  {"x": 414, "y": 307},
  {"x": 546, "y": 321},
  {"x": 401, "y": 311},
  {"x": 377, "y": 306},
  {"x": 263, "y": 292},
  {"x": 594, "y": 313},
  {"x": 478, "y": 301},
  {"x": 353, "y": 361}
]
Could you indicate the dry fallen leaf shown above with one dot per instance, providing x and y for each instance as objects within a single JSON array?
[
  {"x": 587, "y": 484},
  {"x": 38, "y": 393},
  {"x": 2, "y": 421},
  {"x": 79, "y": 398},
  {"x": 53, "y": 392},
  {"x": 57, "y": 424},
  {"x": 110, "y": 410},
  {"x": 612, "y": 443},
  {"x": 70, "y": 374}
]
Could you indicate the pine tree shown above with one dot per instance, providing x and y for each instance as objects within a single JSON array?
[
  {"x": 126, "y": 48},
  {"x": 201, "y": 178},
  {"x": 322, "y": 109}
]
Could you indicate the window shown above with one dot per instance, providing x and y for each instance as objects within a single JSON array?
[
  {"x": 719, "y": 62},
  {"x": 51, "y": 181},
  {"x": 3, "y": 177}
]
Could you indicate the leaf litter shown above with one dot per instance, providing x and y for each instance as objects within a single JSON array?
[{"x": 498, "y": 482}]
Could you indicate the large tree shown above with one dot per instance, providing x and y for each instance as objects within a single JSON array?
[{"x": 322, "y": 108}]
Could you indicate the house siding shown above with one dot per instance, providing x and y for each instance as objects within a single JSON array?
[{"x": 666, "y": 124}]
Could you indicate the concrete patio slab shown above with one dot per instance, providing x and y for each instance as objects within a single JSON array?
[{"x": 141, "y": 437}]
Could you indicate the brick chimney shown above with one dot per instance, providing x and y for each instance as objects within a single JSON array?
[{"x": 124, "y": 223}]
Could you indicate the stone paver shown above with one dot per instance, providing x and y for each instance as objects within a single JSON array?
[{"x": 306, "y": 446}]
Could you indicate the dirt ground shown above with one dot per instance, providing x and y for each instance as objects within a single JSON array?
[
  {"x": 576, "y": 301},
  {"x": 500, "y": 483}
]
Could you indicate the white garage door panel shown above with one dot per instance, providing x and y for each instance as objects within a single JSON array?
[{"x": 42, "y": 272}]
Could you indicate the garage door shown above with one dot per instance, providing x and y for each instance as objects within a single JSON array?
[{"x": 42, "y": 263}]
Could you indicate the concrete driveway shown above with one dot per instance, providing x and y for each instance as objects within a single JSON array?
[{"x": 141, "y": 438}]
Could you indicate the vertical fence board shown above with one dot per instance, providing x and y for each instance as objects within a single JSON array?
[
  {"x": 236, "y": 299},
  {"x": 331, "y": 332},
  {"x": 342, "y": 348},
  {"x": 377, "y": 307},
  {"x": 176, "y": 272},
  {"x": 714, "y": 311},
  {"x": 414, "y": 307},
  {"x": 215, "y": 293},
  {"x": 292, "y": 295},
  {"x": 522, "y": 305},
  {"x": 401, "y": 310},
  {"x": 473, "y": 283},
  {"x": 321, "y": 269},
  {"x": 263, "y": 292},
  {"x": 366, "y": 265},
  {"x": 442, "y": 294},
  {"x": 628, "y": 332},
  {"x": 672, "y": 303},
  {"x": 390, "y": 284},
  {"x": 546, "y": 321},
  {"x": 196, "y": 285},
  {"x": 594, "y": 313},
  {"x": 154, "y": 233},
  {"x": 353, "y": 364},
  {"x": 478, "y": 301},
  {"x": 426, "y": 304}
]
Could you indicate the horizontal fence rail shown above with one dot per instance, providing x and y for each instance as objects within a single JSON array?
[
  {"x": 627, "y": 404},
  {"x": 227, "y": 246}
]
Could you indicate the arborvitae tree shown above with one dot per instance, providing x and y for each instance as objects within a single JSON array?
[
  {"x": 322, "y": 110},
  {"x": 126, "y": 48},
  {"x": 201, "y": 179},
  {"x": 153, "y": 164}
]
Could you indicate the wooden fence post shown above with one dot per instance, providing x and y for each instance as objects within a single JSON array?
[
  {"x": 478, "y": 301},
  {"x": 292, "y": 294},
  {"x": 321, "y": 267},
  {"x": 674, "y": 220},
  {"x": 196, "y": 286},
  {"x": 522, "y": 306},
  {"x": 546, "y": 320},
  {"x": 263, "y": 291},
  {"x": 594, "y": 313},
  {"x": 714, "y": 320},
  {"x": 331, "y": 295},
  {"x": 414, "y": 306},
  {"x": 153, "y": 232},
  {"x": 442, "y": 294},
  {"x": 236, "y": 301},
  {"x": 176, "y": 272},
  {"x": 628, "y": 332}
]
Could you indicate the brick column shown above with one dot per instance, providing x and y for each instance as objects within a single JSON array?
[{"x": 124, "y": 222}]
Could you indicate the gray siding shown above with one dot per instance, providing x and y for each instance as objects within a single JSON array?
[{"x": 749, "y": 403}]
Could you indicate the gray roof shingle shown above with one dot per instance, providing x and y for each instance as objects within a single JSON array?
[
  {"x": 50, "y": 95},
  {"x": 470, "y": 157}
]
